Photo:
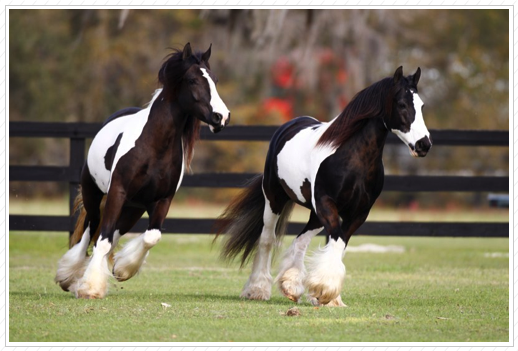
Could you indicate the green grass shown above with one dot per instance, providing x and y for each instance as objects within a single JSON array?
[{"x": 437, "y": 290}]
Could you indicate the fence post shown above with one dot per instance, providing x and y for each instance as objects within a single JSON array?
[{"x": 77, "y": 160}]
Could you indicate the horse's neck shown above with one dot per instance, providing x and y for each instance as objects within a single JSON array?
[
  {"x": 166, "y": 121},
  {"x": 370, "y": 139}
]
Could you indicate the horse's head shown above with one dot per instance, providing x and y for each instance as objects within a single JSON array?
[
  {"x": 406, "y": 119},
  {"x": 197, "y": 92}
]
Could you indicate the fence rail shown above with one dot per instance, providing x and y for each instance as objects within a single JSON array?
[{"x": 79, "y": 132}]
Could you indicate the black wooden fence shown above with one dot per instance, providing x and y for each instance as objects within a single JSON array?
[{"x": 79, "y": 132}]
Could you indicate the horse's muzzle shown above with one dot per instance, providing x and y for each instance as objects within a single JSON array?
[
  {"x": 421, "y": 148},
  {"x": 219, "y": 122}
]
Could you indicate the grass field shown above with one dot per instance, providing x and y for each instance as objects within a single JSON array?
[{"x": 436, "y": 290}]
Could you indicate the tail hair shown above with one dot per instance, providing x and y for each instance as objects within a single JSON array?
[
  {"x": 79, "y": 226},
  {"x": 242, "y": 222}
]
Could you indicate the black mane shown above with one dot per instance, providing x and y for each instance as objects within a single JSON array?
[
  {"x": 371, "y": 102},
  {"x": 173, "y": 69},
  {"x": 170, "y": 76}
]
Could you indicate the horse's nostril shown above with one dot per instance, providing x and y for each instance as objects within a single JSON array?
[
  {"x": 423, "y": 145},
  {"x": 218, "y": 117}
]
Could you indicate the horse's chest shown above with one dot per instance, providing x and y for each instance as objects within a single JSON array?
[{"x": 165, "y": 175}]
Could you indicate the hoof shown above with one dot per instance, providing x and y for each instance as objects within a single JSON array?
[
  {"x": 337, "y": 302},
  {"x": 291, "y": 284},
  {"x": 255, "y": 293},
  {"x": 65, "y": 284},
  {"x": 86, "y": 296},
  {"x": 84, "y": 290},
  {"x": 122, "y": 276}
]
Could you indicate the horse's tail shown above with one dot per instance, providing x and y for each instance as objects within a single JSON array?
[
  {"x": 242, "y": 221},
  {"x": 79, "y": 227}
]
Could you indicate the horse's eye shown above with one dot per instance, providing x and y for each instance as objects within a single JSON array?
[
  {"x": 191, "y": 81},
  {"x": 401, "y": 105}
]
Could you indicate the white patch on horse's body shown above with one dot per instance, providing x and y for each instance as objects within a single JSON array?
[
  {"x": 130, "y": 258},
  {"x": 131, "y": 126},
  {"x": 418, "y": 128},
  {"x": 326, "y": 272},
  {"x": 72, "y": 265},
  {"x": 218, "y": 106},
  {"x": 259, "y": 284},
  {"x": 292, "y": 272},
  {"x": 300, "y": 159}
]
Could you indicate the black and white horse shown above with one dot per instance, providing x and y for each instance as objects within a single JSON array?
[
  {"x": 138, "y": 160},
  {"x": 334, "y": 169}
]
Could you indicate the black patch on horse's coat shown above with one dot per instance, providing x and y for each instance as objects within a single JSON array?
[
  {"x": 110, "y": 153},
  {"x": 305, "y": 189}
]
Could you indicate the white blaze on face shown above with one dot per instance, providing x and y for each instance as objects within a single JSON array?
[
  {"x": 417, "y": 130},
  {"x": 218, "y": 106}
]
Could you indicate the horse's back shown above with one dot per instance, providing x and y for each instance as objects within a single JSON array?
[
  {"x": 288, "y": 130},
  {"x": 121, "y": 113}
]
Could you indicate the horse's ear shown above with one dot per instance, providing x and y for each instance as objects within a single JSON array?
[
  {"x": 206, "y": 55},
  {"x": 398, "y": 74},
  {"x": 417, "y": 75},
  {"x": 187, "y": 51}
]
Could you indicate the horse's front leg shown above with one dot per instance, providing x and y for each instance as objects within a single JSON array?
[
  {"x": 94, "y": 282},
  {"x": 130, "y": 258},
  {"x": 326, "y": 271}
]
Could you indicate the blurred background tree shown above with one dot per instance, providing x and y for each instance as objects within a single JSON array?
[{"x": 273, "y": 65}]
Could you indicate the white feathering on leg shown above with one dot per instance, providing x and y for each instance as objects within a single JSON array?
[
  {"x": 72, "y": 265},
  {"x": 130, "y": 258},
  {"x": 326, "y": 272},
  {"x": 93, "y": 284},
  {"x": 292, "y": 271}
]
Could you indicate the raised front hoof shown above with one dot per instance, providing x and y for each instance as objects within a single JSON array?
[
  {"x": 122, "y": 276},
  {"x": 255, "y": 293},
  {"x": 64, "y": 284}
]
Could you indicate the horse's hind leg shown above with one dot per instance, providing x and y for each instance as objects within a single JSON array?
[
  {"x": 292, "y": 272},
  {"x": 131, "y": 257},
  {"x": 259, "y": 284},
  {"x": 72, "y": 265}
]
